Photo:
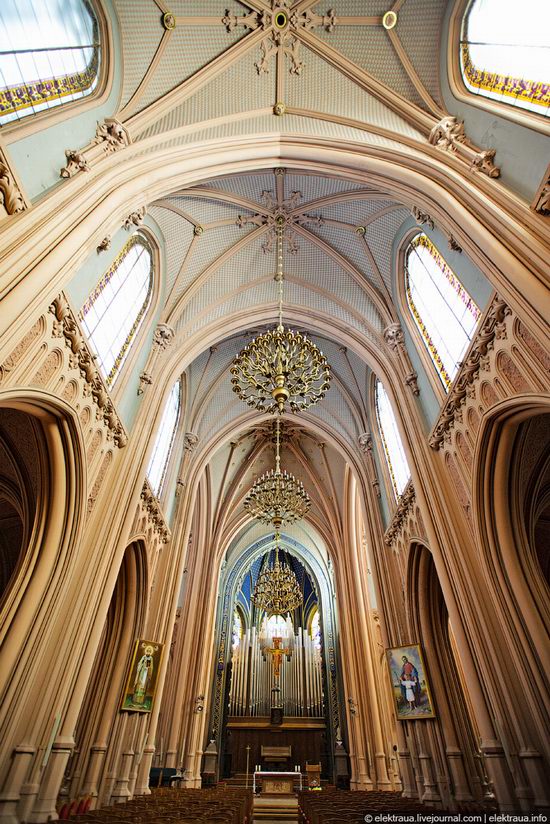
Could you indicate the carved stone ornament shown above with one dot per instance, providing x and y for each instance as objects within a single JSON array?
[
  {"x": 404, "y": 507},
  {"x": 66, "y": 326},
  {"x": 411, "y": 380},
  {"x": 11, "y": 199},
  {"x": 190, "y": 440},
  {"x": 162, "y": 336},
  {"x": 393, "y": 335},
  {"x": 169, "y": 21},
  {"x": 154, "y": 512},
  {"x": 145, "y": 380},
  {"x": 111, "y": 135},
  {"x": 135, "y": 218},
  {"x": 422, "y": 218},
  {"x": 492, "y": 327},
  {"x": 448, "y": 134},
  {"x": 105, "y": 244},
  {"x": 365, "y": 442},
  {"x": 76, "y": 162},
  {"x": 541, "y": 203}
]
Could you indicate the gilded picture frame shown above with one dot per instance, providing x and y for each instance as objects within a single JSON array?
[
  {"x": 409, "y": 683},
  {"x": 141, "y": 684}
]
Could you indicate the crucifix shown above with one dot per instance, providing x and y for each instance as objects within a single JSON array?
[{"x": 277, "y": 652}]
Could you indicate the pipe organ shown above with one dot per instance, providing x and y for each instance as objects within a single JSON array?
[{"x": 300, "y": 681}]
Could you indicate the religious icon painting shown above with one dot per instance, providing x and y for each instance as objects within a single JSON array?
[
  {"x": 143, "y": 676},
  {"x": 411, "y": 691}
]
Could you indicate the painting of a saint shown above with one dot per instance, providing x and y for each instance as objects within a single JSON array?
[
  {"x": 142, "y": 679},
  {"x": 409, "y": 682}
]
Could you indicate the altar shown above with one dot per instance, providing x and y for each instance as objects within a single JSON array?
[{"x": 277, "y": 783}]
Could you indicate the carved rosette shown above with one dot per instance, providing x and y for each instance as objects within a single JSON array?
[
  {"x": 401, "y": 514},
  {"x": 492, "y": 327},
  {"x": 66, "y": 326},
  {"x": 163, "y": 336}
]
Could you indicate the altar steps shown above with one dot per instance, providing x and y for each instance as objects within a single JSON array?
[{"x": 270, "y": 810}]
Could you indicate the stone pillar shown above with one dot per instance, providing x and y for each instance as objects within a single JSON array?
[
  {"x": 45, "y": 804},
  {"x": 9, "y": 797}
]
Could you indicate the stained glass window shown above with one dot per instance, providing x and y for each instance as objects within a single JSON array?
[
  {"x": 115, "y": 309},
  {"x": 165, "y": 440},
  {"x": 237, "y": 629},
  {"x": 505, "y": 52},
  {"x": 445, "y": 314},
  {"x": 49, "y": 55},
  {"x": 391, "y": 441},
  {"x": 316, "y": 630}
]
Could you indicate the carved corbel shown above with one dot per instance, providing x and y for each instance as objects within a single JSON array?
[
  {"x": 11, "y": 197},
  {"x": 449, "y": 136},
  {"x": 145, "y": 379},
  {"x": 76, "y": 162},
  {"x": 424, "y": 219},
  {"x": 366, "y": 447},
  {"x": 135, "y": 218},
  {"x": 395, "y": 340}
]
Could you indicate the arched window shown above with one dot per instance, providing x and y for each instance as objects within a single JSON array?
[
  {"x": 50, "y": 54},
  {"x": 115, "y": 309},
  {"x": 315, "y": 629},
  {"x": 504, "y": 52},
  {"x": 445, "y": 314},
  {"x": 165, "y": 440},
  {"x": 391, "y": 441}
]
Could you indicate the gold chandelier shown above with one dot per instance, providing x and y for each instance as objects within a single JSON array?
[
  {"x": 277, "y": 590},
  {"x": 281, "y": 366},
  {"x": 277, "y": 497}
]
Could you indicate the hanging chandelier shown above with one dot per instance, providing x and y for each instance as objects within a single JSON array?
[
  {"x": 277, "y": 497},
  {"x": 277, "y": 590},
  {"x": 280, "y": 367}
]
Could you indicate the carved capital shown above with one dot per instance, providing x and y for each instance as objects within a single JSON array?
[
  {"x": 393, "y": 335},
  {"x": 145, "y": 380},
  {"x": 135, "y": 218},
  {"x": 447, "y": 133},
  {"x": 162, "y": 336},
  {"x": 11, "y": 197},
  {"x": 76, "y": 162},
  {"x": 111, "y": 135},
  {"x": 411, "y": 380}
]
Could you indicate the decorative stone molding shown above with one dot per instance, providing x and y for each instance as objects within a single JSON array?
[
  {"x": 180, "y": 486},
  {"x": 145, "y": 379},
  {"x": 66, "y": 326},
  {"x": 163, "y": 336},
  {"x": 403, "y": 510},
  {"x": 366, "y": 447},
  {"x": 11, "y": 197},
  {"x": 105, "y": 244},
  {"x": 76, "y": 162},
  {"x": 541, "y": 202},
  {"x": 493, "y": 326},
  {"x": 395, "y": 340},
  {"x": 190, "y": 440},
  {"x": 111, "y": 135},
  {"x": 154, "y": 512},
  {"x": 449, "y": 136},
  {"x": 135, "y": 218}
]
